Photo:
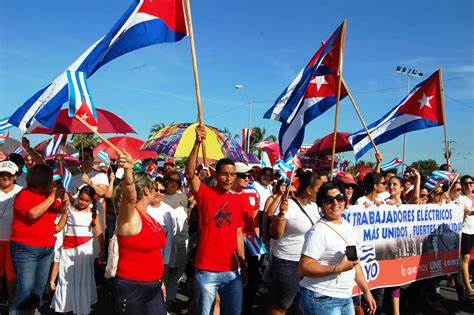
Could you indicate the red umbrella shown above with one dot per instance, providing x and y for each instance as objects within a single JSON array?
[
  {"x": 323, "y": 146},
  {"x": 129, "y": 144},
  {"x": 107, "y": 121}
]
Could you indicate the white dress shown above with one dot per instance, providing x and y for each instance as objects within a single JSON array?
[{"x": 76, "y": 289}]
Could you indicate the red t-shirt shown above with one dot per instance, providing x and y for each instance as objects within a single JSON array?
[
  {"x": 220, "y": 214},
  {"x": 33, "y": 232},
  {"x": 251, "y": 205}
]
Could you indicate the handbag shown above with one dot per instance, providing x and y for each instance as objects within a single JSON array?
[{"x": 112, "y": 253}]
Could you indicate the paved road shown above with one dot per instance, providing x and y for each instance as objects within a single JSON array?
[{"x": 450, "y": 302}]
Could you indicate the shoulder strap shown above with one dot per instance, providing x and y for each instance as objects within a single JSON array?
[
  {"x": 302, "y": 209},
  {"x": 347, "y": 243}
]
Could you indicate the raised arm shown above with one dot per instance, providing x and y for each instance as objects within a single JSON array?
[
  {"x": 109, "y": 193},
  {"x": 379, "y": 158},
  {"x": 129, "y": 194},
  {"x": 415, "y": 196},
  {"x": 193, "y": 180},
  {"x": 35, "y": 156}
]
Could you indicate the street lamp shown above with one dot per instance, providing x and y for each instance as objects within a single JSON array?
[
  {"x": 409, "y": 72},
  {"x": 242, "y": 88}
]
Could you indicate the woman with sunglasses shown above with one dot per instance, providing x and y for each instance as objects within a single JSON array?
[
  {"x": 374, "y": 184},
  {"x": 178, "y": 202},
  {"x": 137, "y": 285},
  {"x": 329, "y": 275},
  {"x": 289, "y": 225}
]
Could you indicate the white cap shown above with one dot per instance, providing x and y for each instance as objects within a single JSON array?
[
  {"x": 242, "y": 168},
  {"x": 8, "y": 167}
]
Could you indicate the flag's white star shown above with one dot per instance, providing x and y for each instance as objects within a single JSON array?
[
  {"x": 425, "y": 101},
  {"x": 84, "y": 116},
  {"x": 319, "y": 81}
]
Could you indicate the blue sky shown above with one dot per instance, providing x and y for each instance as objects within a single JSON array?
[{"x": 261, "y": 45}]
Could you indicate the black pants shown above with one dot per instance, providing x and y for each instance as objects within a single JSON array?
[
  {"x": 252, "y": 281},
  {"x": 134, "y": 297}
]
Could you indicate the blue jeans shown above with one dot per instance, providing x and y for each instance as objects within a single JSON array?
[
  {"x": 315, "y": 303},
  {"x": 229, "y": 286},
  {"x": 32, "y": 266}
]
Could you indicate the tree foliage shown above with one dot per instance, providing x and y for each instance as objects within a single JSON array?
[
  {"x": 425, "y": 166},
  {"x": 84, "y": 140}
]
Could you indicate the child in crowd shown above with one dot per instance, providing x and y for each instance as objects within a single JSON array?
[{"x": 76, "y": 289}]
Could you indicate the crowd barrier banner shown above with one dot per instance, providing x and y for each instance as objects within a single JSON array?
[{"x": 406, "y": 243}]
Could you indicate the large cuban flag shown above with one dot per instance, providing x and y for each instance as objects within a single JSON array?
[
  {"x": 146, "y": 22},
  {"x": 421, "y": 109},
  {"x": 312, "y": 92}
]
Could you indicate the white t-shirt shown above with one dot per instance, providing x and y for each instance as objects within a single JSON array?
[
  {"x": 364, "y": 200},
  {"x": 383, "y": 196},
  {"x": 289, "y": 245},
  {"x": 95, "y": 177},
  {"x": 263, "y": 193},
  {"x": 178, "y": 203},
  {"x": 327, "y": 247},
  {"x": 468, "y": 224},
  {"x": 6, "y": 212},
  {"x": 163, "y": 215}
]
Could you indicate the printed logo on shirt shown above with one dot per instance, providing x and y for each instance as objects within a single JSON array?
[{"x": 252, "y": 201}]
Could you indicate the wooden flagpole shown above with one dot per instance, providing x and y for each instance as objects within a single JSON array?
[
  {"x": 98, "y": 134},
  {"x": 360, "y": 116},
  {"x": 189, "y": 23},
  {"x": 445, "y": 123},
  {"x": 339, "y": 84}
]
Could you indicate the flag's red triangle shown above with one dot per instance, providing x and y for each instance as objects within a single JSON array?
[
  {"x": 170, "y": 11},
  {"x": 426, "y": 102}
]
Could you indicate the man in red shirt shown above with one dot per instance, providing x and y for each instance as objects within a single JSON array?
[
  {"x": 221, "y": 248},
  {"x": 250, "y": 231}
]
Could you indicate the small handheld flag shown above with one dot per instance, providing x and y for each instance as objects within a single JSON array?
[
  {"x": 18, "y": 150},
  {"x": 80, "y": 100},
  {"x": 55, "y": 145},
  {"x": 4, "y": 124},
  {"x": 395, "y": 163},
  {"x": 255, "y": 245},
  {"x": 104, "y": 157}
]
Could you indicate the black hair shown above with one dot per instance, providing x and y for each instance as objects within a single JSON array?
[
  {"x": 391, "y": 171},
  {"x": 370, "y": 180},
  {"x": 18, "y": 160},
  {"x": 465, "y": 178},
  {"x": 307, "y": 179},
  {"x": 91, "y": 193},
  {"x": 39, "y": 176},
  {"x": 172, "y": 176},
  {"x": 277, "y": 186},
  {"x": 222, "y": 162},
  {"x": 445, "y": 167},
  {"x": 85, "y": 150},
  {"x": 323, "y": 191}
]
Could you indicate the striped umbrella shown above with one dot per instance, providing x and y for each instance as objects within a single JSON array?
[{"x": 177, "y": 140}]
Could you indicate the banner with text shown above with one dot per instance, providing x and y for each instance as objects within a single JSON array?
[{"x": 402, "y": 244}]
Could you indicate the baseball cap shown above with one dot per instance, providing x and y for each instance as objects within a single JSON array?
[
  {"x": 8, "y": 167},
  {"x": 242, "y": 168}
]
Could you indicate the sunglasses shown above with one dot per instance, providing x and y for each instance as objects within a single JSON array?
[
  {"x": 423, "y": 195},
  {"x": 243, "y": 175},
  {"x": 330, "y": 199}
]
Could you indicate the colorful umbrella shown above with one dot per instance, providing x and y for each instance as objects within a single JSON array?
[
  {"x": 177, "y": 140},
  {"x": 107, "y": 121},
  {"x": 9, "y": 146},
  {"x": 129, "y": 144},
  {"x": 323, "y": 146}
]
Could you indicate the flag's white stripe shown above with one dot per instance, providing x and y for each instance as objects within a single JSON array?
[
  {"x": 77, "y": 93},
  {"x": 141, "y": 17},
  {"x": 382, "y": 128},
  {"x": 85, "y": 92},
  {"x": 52, "y": 90},
  {"x": 282, "y": 102}
]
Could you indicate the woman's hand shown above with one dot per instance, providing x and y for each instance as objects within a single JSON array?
[
  {"x": 372, "y": 305},
  {"x": 282, "y": 189},
  {"x": 125, "y": 160},
  {"x": 345, "y": 265},
  {"x": 111, "y": 176},
  {"x": 283, "y": 207}
]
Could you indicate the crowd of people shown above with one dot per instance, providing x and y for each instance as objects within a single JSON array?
[{"x": 203, "y": 228}]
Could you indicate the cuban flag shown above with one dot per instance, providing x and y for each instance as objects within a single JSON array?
[
  {"x": 395, "y": 163},
  {"x": 19, "y": 150},
  {"x": 80, "y": 100},
  {"x": 4, "y": 124},
  {"x": 312, "y": 92},
  {"x": 145, "y": 23},
  {"x": 55, "y": 145},
  {"x": 449, "y": 176},
  {"x": 286, "y": 169},
  {"x": 432, "y": 182},
  {"x": 255, "y": 245},
  {"x": 67, "y": 180},
  {"x": 421, "y": 109},
  {"x": 104, "y": 157}
]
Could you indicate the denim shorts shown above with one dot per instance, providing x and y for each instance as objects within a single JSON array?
[
  {"x": 285, "y": 281},
  {"x": 315, "y": 303}
]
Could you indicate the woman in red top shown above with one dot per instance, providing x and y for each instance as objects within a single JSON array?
[
  {"x": 32, "y": 239},
  {"x": 137, "y": 285}
]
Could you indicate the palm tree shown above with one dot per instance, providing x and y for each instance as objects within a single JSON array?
[
  {"x": 84, "y": 140},
  {"x": 157, "y": 127},
  {"x": 257, "y": 136}
]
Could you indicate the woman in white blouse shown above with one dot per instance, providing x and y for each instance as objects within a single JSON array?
[{"x": 329, "y": 276}]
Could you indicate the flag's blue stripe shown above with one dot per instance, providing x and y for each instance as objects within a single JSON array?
[
  {"x": 72, "y": 94},
  {"x": 393, "y": 133}
]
